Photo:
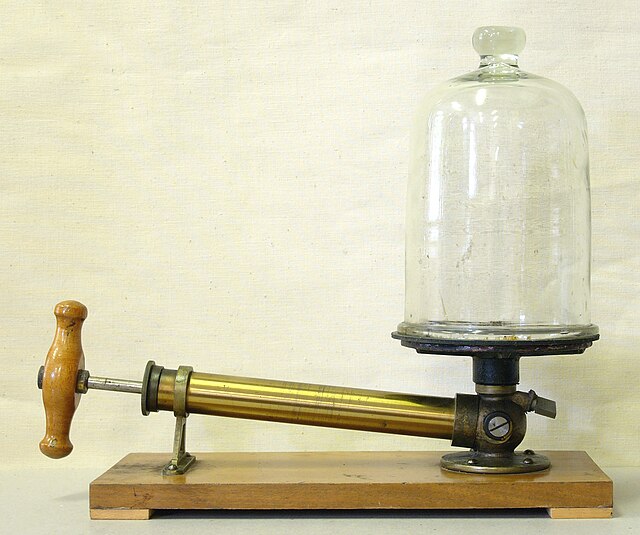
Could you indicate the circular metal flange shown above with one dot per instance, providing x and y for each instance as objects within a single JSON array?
[
  {"x": 495, "y": 348},
  {"x": 474, "y": 462},
  {"x": 150, "y": 380}
]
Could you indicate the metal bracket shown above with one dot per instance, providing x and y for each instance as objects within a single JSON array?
[{"x": 181, "y": 460}]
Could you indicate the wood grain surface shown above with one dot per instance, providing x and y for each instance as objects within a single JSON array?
[
  {"x": 61, "y": 367},
  {"x": 348, "y": 480}
]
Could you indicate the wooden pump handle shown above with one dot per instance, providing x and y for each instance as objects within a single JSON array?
[{"x": 59, "y": 380}]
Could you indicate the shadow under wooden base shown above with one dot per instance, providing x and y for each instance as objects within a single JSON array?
[{"x": 574, "y": 486}]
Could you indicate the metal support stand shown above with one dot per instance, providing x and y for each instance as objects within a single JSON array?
[{"x": 181, "y": 460}]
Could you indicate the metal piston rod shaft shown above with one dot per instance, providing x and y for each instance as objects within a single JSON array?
[{"x": 85, "y": 382}]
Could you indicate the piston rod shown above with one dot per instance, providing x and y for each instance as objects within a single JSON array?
[
  {"x": 85, "y": 381},
  {"x": 115, "y": 385}
]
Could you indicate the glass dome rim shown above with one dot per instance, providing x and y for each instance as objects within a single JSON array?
[{"x": 496, "y": 331}]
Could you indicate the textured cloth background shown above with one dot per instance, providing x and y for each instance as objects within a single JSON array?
[{"x": 223, "y": 185}]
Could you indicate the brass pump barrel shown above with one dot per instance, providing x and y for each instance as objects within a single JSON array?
[{"x": 309, "y": 404}]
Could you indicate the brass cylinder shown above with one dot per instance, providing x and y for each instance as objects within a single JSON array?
[{"x": 310, "y": 404}]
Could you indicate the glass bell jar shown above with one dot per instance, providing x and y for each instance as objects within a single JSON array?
[{"x": 498, "y": 210}]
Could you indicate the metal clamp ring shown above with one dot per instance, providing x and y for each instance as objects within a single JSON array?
[
  {"x": 180, "y": 391},
  {"x": 150, "y": 382}
]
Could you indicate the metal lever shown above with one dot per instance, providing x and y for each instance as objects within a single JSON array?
[
  {"x": 532, "y": 402},
  {"x": 544, "y": 407}
]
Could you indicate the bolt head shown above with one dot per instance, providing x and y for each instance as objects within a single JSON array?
[
  {"x": 472, "y": 461},
  {"x": 528, "y": 460},
  {"x": 40, "y": 377}
]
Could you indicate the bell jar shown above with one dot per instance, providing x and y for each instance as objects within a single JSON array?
[{"x": 498, "y": 207}]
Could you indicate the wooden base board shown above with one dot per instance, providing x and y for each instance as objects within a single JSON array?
[{"x": 574, "y": 486}]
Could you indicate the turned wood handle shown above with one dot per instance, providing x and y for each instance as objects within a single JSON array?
[{"x": 59, "y": 379}]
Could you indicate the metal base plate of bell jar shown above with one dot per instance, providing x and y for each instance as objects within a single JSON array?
[{"x": 515, "y": 348}]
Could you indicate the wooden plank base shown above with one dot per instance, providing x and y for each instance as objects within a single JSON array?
[{"x": 574, "y": 487}]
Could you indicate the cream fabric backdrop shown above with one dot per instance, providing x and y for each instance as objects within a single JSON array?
[{"x": 223, "y": 185}]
